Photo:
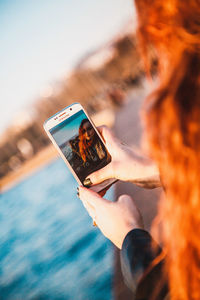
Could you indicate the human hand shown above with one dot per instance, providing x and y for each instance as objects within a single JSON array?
[
  {"x": 125, "y": 165},
  {"x": 114, "y": 219}
]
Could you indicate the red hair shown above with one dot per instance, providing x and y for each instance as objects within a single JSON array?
[
  {"x": 172, "y": 118},
  {"x": 83, "y": 143}
]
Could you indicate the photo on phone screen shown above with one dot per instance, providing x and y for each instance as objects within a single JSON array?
[{"x": 81, "y": 145}]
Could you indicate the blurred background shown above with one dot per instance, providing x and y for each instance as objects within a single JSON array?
[{"x": 54, "y": 53}]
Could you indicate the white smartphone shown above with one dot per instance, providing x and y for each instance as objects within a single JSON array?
[{"x": 79, "y": 143}]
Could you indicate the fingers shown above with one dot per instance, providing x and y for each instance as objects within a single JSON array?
[
  {"x": 90, "y": 209},
  {"x": 102, "y": 174},
  {"x": 90, "y": 198},
  {"x": 92, "y": 202},
  {"x": 108, "y": 137}
]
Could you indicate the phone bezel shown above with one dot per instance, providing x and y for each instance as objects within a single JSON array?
[{"x": 60, "y": 117}]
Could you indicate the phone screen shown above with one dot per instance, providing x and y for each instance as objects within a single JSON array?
[{"x": 80, "y": 145}]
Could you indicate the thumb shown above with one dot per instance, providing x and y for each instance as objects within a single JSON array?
[{"x": 105, "y": 173}]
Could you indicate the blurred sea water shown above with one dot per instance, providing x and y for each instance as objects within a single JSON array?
[{"x": 48, "y": 246}]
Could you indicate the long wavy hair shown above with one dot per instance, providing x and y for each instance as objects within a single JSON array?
[
  {"x": 172, "y": 120},
  {"x": 83, "y": 143}
]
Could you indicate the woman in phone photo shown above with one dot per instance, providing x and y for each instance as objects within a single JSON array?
[{"x": 90, "y": 147}]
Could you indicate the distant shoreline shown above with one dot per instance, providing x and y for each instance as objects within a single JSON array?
[{"x": 40, "y": 159}]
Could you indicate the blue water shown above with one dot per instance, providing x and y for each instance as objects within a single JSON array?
[{"x": 48, "y": 246}]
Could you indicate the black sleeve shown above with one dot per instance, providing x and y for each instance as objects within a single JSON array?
[{"x": 141, "y": 274}]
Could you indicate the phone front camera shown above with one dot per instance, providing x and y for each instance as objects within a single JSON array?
[{"x": 70, "y": 108}]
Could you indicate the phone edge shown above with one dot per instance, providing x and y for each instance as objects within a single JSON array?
[{"x": 57, "y": 147}]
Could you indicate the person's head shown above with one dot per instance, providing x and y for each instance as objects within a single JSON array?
[
  {"x": 171, "y": 28},
  {"x": 86, "y": 138},
  {"x": 172, "y": 116},
  {"x": 86, "y": 130}
]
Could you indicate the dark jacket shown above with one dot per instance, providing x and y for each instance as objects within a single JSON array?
[{"x": 141, "y": 274}]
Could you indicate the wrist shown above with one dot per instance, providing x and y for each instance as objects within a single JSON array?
[
  {"x": 129, "y": 227},
  {"x": 144, "y": 172}
]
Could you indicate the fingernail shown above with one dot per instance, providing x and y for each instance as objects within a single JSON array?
[{"x": 87, "y": 182}]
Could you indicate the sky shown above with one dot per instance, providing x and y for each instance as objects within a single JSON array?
[{"x": 41, "y": 40}]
